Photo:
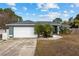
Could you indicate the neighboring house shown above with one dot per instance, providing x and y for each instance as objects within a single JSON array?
[{"x": 25, "y": 29}]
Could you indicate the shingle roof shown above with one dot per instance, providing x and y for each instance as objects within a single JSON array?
[
  {"x": 24, "y": 22},
  {"x": 28, "y": 22}
]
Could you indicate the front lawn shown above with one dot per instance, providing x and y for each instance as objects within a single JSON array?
[{"x": 67, "y": 46}]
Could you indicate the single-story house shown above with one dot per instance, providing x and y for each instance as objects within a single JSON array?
[{"x": 25, "y": 29}]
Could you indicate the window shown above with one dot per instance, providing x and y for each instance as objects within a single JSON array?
[{"x": 10, "y": 30}]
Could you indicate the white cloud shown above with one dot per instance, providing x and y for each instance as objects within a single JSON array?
[
  {"x": 72, "y": 11},
  {"x": 39, "y": 5},
  {"x": 43, "y": 10},
  {"x": 72, "y": 5},
  {"x": 54, "y": 15},
  {"x": 14, "y": 8},
  {"x": 76, "y": 4},
  {"x": 25, "y": 8},
  {"x": 19, "y": 13},
  {"x": 27, "y": 13},
  {"x": 50, "y": 5},
  {"x": 65, "y": 12},
  {"x": 65, "y": 15},
  {"x": 50, "y": 16},
  {"x": 46, "y": 6},
  {"x": 11, "y": 4},
  {"x": 46, "y": 15},
  {"x": 33, "y": 14},
  {"x": 40, "y": 15}
]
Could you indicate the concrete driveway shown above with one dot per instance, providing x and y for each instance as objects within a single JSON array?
[{"x": 18, "y": 47}]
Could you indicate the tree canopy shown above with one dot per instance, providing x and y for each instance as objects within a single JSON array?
[
  {"x": 38, "y": 29},
  {"x": 75, "y": 22},
  {"x": 57, "y": 20},
  {"x": 77, "y": 17},
  {"x": 7, "y": 15},
  {"x": 48, "y": 30},
  {"x": 71, "y": 19},
  {"x": 45, "y": 30}
]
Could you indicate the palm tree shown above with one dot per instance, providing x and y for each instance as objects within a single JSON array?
[
  {"x": 43, "y": 30},
  {"x": 48, "y": 30},
  {"x": 38, "y": 29}
]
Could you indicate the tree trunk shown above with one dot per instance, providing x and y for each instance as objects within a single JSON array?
[{"x": 38, "y": 35}]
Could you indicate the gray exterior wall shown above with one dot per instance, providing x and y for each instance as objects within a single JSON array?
[
  {"x": 11, "y": 30},
  {"x": 31, "y": 24}
]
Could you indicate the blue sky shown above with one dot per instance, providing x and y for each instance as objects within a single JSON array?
[{"x": 43, "y": 11}]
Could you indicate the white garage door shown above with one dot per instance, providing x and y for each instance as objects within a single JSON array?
[{"x": 24, "y": 32}]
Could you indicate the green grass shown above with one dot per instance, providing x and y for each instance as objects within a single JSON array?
[{"x": 67, "y": 46}]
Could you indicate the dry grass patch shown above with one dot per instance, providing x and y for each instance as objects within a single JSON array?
[{"x": 67, "y": 46}]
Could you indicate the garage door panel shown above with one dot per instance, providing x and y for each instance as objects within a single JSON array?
[{"x": 23, "y": 32}]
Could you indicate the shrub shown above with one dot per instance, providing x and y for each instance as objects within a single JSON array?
[
  {"x": 44, "y": 30},
  {"x": 65, "y": 30},
  {"x": 48, "y": 30}
]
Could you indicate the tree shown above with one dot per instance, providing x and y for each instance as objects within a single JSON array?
[
  {"x": 9, "y": 11},
  {"x": 57, "y": 20},
  {"x": 76, "y": 23},
  {"x": 65, "y": 23},
  {"x": 71, "y": 22},
  {"x": 7, "y": 15},
  {"x": 77, "y": 17},
  {"x": 43, "y": 30},
  {"x": 65, "y": 30},
  {"x": 38, "y": 29},
  {"x": 19, "y": 18},
  {"x": 1, "y": 10},
  {"x": 71, "y": 19},
  {"x": 48, "y": 30}
]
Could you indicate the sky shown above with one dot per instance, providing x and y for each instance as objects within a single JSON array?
[{"x": 43, "y": 11}]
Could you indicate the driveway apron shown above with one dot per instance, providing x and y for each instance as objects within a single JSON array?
[{"x": 21, "y": 47}]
